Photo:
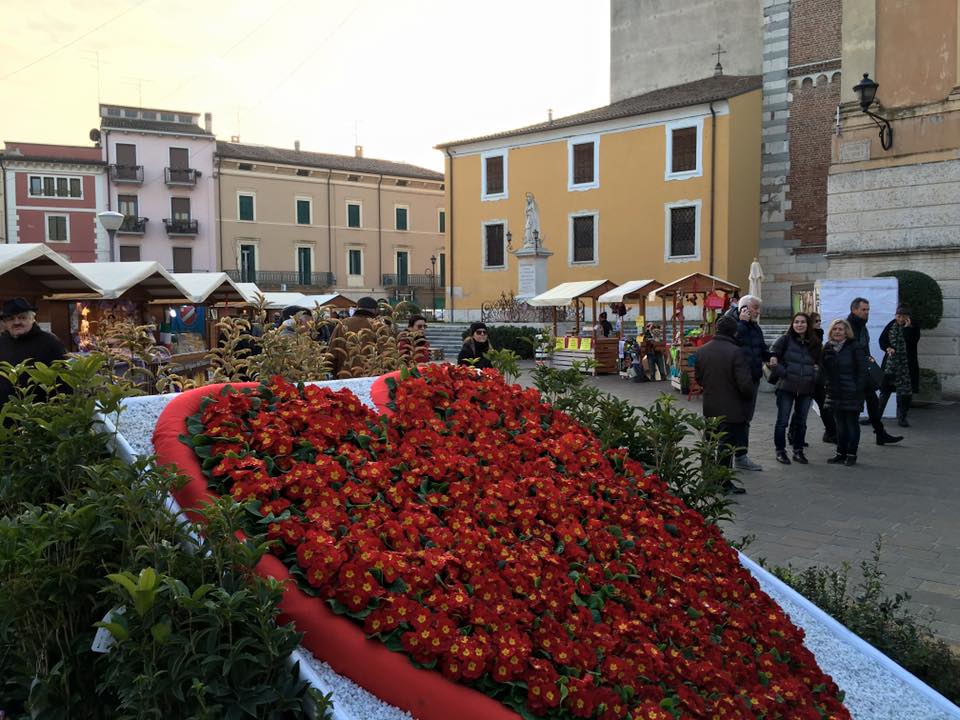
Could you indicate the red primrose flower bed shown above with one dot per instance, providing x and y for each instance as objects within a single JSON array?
[{"x": 490, "y": 540}]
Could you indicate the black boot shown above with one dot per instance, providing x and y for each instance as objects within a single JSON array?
[
  {"x": 885, "y": 438},
  {"x": 851, "y": 460},
  {"x": 782, "y": 457},
  {"x": 903, "y": 406},
  {"x": 838, "y": 459}
]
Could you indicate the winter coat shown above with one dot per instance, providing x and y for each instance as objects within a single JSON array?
[
  {"x": 846, "y": 374},
  {"x": 752, "y": 345},
  {"x": 861, "y": 334},
  {"x": 721, "y": 369},
  {"x": 361, "y": 320},
  {"x": 911, "y": 338},
  {"x": 797, "y": 364},
  {"x": 474, "y": 351},
  {"x": 35, "y": 346}
]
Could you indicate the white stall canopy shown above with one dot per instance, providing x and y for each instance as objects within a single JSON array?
[
  {"x": 34, "y": 269},
  {"x": 212, "y": 288},
  {"x": 142, "y": 280},
  {"x": 566, "y": 293}
]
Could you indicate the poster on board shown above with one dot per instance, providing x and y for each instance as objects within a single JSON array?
[{"x": 835, "y": 297}]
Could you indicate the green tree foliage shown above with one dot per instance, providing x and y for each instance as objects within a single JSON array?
[{"x": 922, "y": 293}]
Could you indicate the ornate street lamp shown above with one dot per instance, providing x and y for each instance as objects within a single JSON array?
[
  {"x": 866, "y": 91},
  {"x": 433, "y": 285}
]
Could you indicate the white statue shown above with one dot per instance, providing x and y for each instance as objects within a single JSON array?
[
  {"x": 531, "y": 223},
  {"x": 756, "y": 278}
]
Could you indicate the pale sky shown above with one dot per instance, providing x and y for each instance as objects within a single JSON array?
[{"x": 401, "y": 75}]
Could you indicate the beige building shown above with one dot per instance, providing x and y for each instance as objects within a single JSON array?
[
  {"x": 306, "y": 221},
  {"x": 895, "y": 205}
]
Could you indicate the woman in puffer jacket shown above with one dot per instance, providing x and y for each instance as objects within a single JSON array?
[
  {"x": 845, "y": 366},
  {"x": 798, "y": 363}
]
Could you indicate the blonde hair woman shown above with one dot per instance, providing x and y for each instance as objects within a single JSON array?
[{"x": 845, "y": 367}]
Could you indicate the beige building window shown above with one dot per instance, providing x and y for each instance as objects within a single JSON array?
[
  {"x": 354, "y": 214},
  {"x": 401, "y": 215}
]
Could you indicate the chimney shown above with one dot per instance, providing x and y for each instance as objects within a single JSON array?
[
  {"x": 208, "y": 122},
  {"x": 549, "y": 114},
  {"x": 296, "y": 145},
  {"x": 358, "y": 151}
]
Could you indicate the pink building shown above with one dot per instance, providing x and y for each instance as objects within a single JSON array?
[
  {"x": 52, "y": 194},
  {"x": 160, "y": 175}
]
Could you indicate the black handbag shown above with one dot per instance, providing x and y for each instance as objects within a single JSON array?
[{"x": 875, "y": 375}]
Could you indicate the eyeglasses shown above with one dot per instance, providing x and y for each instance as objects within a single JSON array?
[{"x": 479, "y": 332}]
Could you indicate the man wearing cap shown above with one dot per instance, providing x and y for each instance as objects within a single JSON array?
[
  {"x": 365, "y": 317},
  {"x": 24, "y": 341}
]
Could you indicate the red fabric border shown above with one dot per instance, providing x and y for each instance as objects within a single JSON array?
[{"x": 335, "y": 639}]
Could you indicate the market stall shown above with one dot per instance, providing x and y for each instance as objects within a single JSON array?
[
  {"x": 580, "y": 346},
  {"x": 712, "y": 295},
  {"x": 37, "y": 273},
  {"x": 633, "y": 346}
]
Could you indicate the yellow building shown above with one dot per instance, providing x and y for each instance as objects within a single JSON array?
[{"x": 655, "y": 186}]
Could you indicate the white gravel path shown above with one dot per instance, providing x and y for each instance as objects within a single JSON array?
[{"x": 876, "y": 688}]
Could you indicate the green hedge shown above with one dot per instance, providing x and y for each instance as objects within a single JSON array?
[
  {"x": 521, "y": 339},
  {"x": 922, "y": 293}
]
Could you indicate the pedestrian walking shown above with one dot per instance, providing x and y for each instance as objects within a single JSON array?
[
  {"x": 901, "y": 368},
  {"x": 750, "y": 338},
  {"x": 857, "y": 319},
  {"x": 845, "y": 366},
  {"x": 724, "y": 374},
  {"x": 24, "y": 341},
  {"x": 798, "y": 364}
]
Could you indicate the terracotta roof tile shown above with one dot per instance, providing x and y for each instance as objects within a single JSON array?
[
  {"x": 348, "y": 163},
  {"x": 668, "y": 98}
]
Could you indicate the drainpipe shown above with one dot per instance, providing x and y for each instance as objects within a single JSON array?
[
  {"x": 106, "y": 147},
  {"x": 329, "y": 226},
  {"x": 713, "y": 179},
  {"x": 380, "y": 229},
  {"x": 220, "y": 214},
  {"x": 450, "y": 226},
  {"x": 3, "y": 188}
]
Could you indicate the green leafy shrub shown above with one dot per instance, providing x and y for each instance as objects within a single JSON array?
[
  {"x": 70, "y": 514},
  {"x": 680, "y": 446},
  {"x": 520, "y": 339},
  {"x": 198, "y": 637},
  {"x": 922, "y": 293},
  {"x": 881, "y": 620}
]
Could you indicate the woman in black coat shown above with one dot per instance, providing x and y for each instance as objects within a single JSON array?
[
  {"x": 903, "y": 333},
  {"x": 798, "y": 364},
  {"x": 845, "y": 367},
  {"x": 475, "y": 347}
]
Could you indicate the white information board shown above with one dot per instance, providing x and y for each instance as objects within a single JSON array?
[{"x": 835, "y": 298}]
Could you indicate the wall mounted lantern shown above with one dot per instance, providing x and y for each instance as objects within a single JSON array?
[{"x": 866, "y": 91}]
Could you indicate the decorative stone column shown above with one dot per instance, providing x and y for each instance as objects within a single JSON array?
[{"x": 531, "y": 271}]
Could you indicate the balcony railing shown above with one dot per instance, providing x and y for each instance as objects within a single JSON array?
[
  {"x": 410, "y": 280},
  {"x": 133, "y": 225},
  {"x": 126, "y": 173},
  {"x": 176, "y": 226},
  {"x": 279, "y": 279},
  {"x": 180, "y": 176}
]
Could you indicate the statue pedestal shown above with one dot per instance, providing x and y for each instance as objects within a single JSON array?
[{"x": 531, "y": 271}]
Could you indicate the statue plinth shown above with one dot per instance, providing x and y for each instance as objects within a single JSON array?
[{"x": 531, "y": 271}]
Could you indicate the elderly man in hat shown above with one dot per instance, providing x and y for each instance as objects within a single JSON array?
[
  {"x": 24, "y": 341},
  {"x": 365, "y": 317}
]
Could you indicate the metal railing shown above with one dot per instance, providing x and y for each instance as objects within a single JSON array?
[
  {"x": 276, "y": 279},
  {"x": 176, "y": 226},
  {"x": 126, "y": 173},
  {"x": 411, "y": 280},
  {"x": 133, "y": 225},
  {"x": 180, "y": 176}
]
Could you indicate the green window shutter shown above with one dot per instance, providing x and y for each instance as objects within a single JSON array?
[
  {"x": 353, "y": 215},
  {"x": 443, "y": 221},
  {"x": 303, "y": 212},
  {"x": 246, "y": 207},
  {"x": 401, "y": 218},
  {"x": 443, "y": 270}
]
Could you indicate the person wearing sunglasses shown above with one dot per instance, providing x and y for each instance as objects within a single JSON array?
[
  {"x": 412, "y": 343},
  {"x": 475, "y": 347}
]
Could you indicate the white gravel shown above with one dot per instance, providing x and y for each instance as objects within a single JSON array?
[{"x": 876, "y": 688}]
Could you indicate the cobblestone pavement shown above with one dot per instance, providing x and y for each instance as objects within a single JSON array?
[{"x": 825, "y": 515}]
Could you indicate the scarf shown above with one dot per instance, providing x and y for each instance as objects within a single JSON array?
[{"x": 896, "y": 367}]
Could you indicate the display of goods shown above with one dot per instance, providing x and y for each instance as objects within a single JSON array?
[{"x": 489, "y": 540}]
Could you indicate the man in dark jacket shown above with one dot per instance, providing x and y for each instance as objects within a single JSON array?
[
  {"x": 723, "y": 373},
  {"x": 24, "y": 341},
  {"x": 754, "y": 348},
  {"x": 858, "y": 317},
  {"x": 365, "y": 317}
]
